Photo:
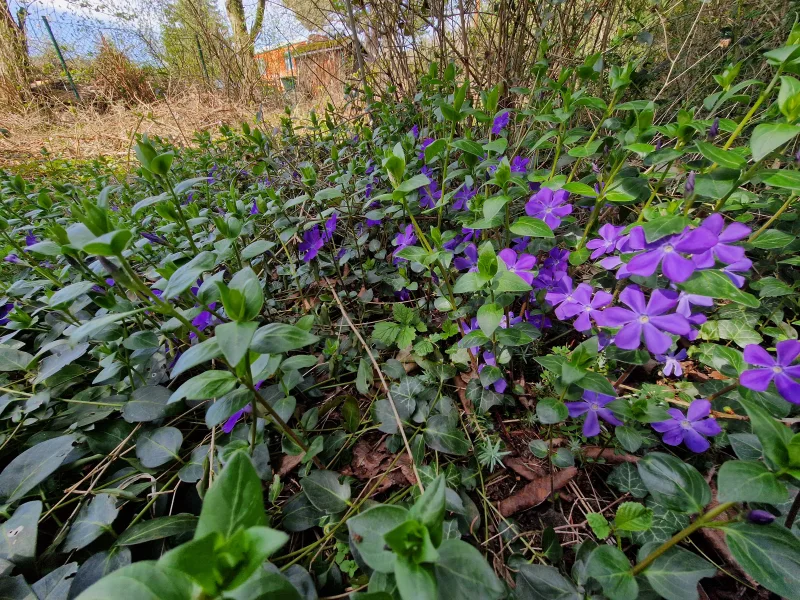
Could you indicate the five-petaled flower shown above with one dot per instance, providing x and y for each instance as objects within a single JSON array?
[
  {"x": 778, "y": 369},
  {"x": 647, "y": 320},
  {"x": 668, "y": 251},
  {"x": 691, "y": 428},
  {"x": 569, "y": 302},
  {"x": 722, "y": 250},
  {"x": 672, "y": 362},
  {"x": 593, "y": 406},
  {"x": 500, "y": 122},
  {"x": 404, "y": 240},
  {"x": 520, "y": 265},
  {"x": 549, "y": 206},
  {"x": 312, "y": 243},
  {"x": 609, "y": 238}
]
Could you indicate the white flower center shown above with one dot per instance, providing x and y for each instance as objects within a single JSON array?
[
  {"x": 548, "y": 210},
  {"x": 777, "y": 369},
  {"x": 595, "y": 406},
  {"x": 686, "y": 424},
  {"x": 644, "y": 319},
  {"x": 668, "y": 248}
]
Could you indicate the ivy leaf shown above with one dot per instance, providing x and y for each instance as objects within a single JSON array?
[
  {"x": 442, "y": 435},
  {"x": 632, "y": 516},
  {"x": 599, "y": 524},
  {"x": 626, "y": 478}
]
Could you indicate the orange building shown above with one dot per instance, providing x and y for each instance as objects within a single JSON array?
[{"x": 310, "y": 66}]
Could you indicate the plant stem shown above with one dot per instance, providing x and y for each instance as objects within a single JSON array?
[
  {"x": 773, "y": 218},
  {"x": 701, "y": 522},
  {"x": 753, "y": 109}
]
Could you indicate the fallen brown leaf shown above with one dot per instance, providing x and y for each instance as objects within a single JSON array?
[
  {"x": 536, "y": 492},
  {"x": 527, "y": 468},
  {"x": 288, "y": 463},
  {"x": 609, "y": 455},
  {"x": 370, "y": 461}
]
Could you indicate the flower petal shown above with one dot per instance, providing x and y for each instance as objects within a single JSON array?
[
  {"x": 645, "y": 264},
  {"x": 630, "y": 336},
  {"x": 576, "y": 409},
  {"x": 615, "y": 317},
  {"x": 756, "y": 355},
  {"x": 694, "y": 441},
  {"x": 673, "y": 323},
  {"x": 788, "y": 350},
  {"x": 634, "y": 298},
  {"x": 708, "y": 427},
  {"x": 788, "y": 388},
  {"x": 591, "y": 426},
  {"x": 756, "y": 379},
  {"x": 656, "y": 341},
  {"x": 698, "y": 410}
]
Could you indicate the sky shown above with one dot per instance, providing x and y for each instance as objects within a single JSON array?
[{"x": 78, "y": 24}]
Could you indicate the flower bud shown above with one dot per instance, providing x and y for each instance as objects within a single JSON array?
[
  {"x": 714, "y": 129},
  {"x": 690, "y": 184},
  {"x": 760, "y": 517}
]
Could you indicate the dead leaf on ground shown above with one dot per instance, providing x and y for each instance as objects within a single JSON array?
[
  {"x": 370, "y": 461},
  {"x": 609, "y": 455},
  {"x": 288, "y": 463},
  {"x": 529, "y": 469},
  {"x": 536, "y": 492}
]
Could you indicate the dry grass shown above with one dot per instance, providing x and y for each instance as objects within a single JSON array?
[{"x": 87, "y": 132}]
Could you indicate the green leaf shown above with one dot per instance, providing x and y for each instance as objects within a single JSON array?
[
  {"x": 531, "y": 226},
  {"x": 429, "y": 509},
  {"x": 770, "y": 554},
  {"x": 462, "y": 572},
  {"x": 746, "y": 446},
  {"x": 234, "y": 502},
  {"x": 158, "y": 446},
  {"x": 629, "y": 438},
  {"x": 416, "y": 182},
  {"x": 161, "y": 164},
  {"x": 610, "y": 567},
  {"x": 14, "y": 360},
  {"x": 97, "y": 324},
  {"x": 366, "y": 534},
  {"x": 277, "y": 338},
  {"x": 93, "y": 520},
  {"x": 266, "y": 585},
  {"x": 147, "y": 403},
  {"x": 632, "y": 516},
  {"x": 325, "y": 492},
  {"x": 33, "y": 466},
  {"x": 442, "y": 435},
  {"x": 494, "y": 205},
  {"x": 540, "y": 582},
  {"x": 256, "y": 248},
  {"x": 626, "y": 478},
  {"x": 599, "y": 524},
  {"x": 783, "y": 178},
  {"x": 109, "y": 244},
  {"x": 414, "y": 580},
  {"x": 18, "y": 534},
  {"x": 489, "y": 317},
  {"x": 434, "y": 148},
  {"x": 299, "y": 514},
  {"x": 550, "y": 411},
  {"x": 469, "y": 147},
  {"x": 724, "y": 158},
  {"x": 234, "y": 339},
  {"x": 506, "y": 281},
  {"x": 663, "y": 226},
  {"x": 773, "y": 239},
  {"x": 157, "y": 529},
  {"x": 675, "y": 574},
  {"x": 749, "y": 481},
  {"x": 715, "y": 284},
  {"x": 676, "y": 484},
  {"x": 773, "y": 435},
  {"x": 770, "y": 136},
  {"x": 142, "y": 581},
  {"x": 197, "y": 355},
  {"x": 187, "y": 275},
  {"x": 210, "y": 384},
  {"x": 69, "y": 293}
]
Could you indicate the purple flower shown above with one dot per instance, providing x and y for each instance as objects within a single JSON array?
[
  {"x": 312, "y": 243},
  {"x": 689, "y": 189},
  {"x": 30, "y": 240},
  {"x": 469, "y": 261},
  {"x": 687, "y": 300},
  {"x": 609, "y": 238},
  {"x": 403, "y": 295},
  {"x": 520, "y": 265},
  {"x": 430, "y": 195},
  {"x": 5, "y": 309},
  {"x": 425, "y": 143},
  {"x": 722, "y": 250},
  {"x": 13, "y": 259},
  {"x": 593, "y": 406},
  {"x": 738, "y": 267},
  {"x": 780, "y": 369},
  {"x": 469, "y": 234},
  {"x": 452, "y": 244},
  {"x": 672, "y": 364},
  {"x": 519, "y": 165},
  {"x": 713, "y": 131},
  {"x": 254, "y": 208},
  {"x": 415, "y": 132},
  {"x": 645, "y": 320},
  {"x": 500, "y": 385},
  {"x": 569, "y": 302},
  {"x": 205, "y": 318},
  {"x": 520, "y": 244},
  {"x": 667, "y": 253},
  {"x": 549, "y": 206},
  {"x": 330, "y": 227},
  {"x": 235, "y": 417},
  {"x": 690, "y": 428},
  {"x": 540, "y": 321},
  {"x": 404, "y": 240},
  {"x": 760, "y": 517},
  {"x": 154, "y": 239},
  {"x": 500, "y": 122},
  {"x": 467, "y": 328},
  {"x": 462, "y": 196}
]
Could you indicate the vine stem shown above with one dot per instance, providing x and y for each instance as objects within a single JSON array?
[
  {"x": 701, "y": 522},
  {"x": 773, "y": 218},
  {"x": 792, "y": 514},
  {"x": 740, "y": 127}
]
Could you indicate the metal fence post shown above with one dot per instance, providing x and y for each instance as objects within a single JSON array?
[
  {"x": 202, "y": 58},
  {"x": 61, "y": 58}
]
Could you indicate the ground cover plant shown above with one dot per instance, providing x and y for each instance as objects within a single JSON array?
[{"x": 530, "y": 343}]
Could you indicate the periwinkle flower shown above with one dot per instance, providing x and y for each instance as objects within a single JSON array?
[
  {"x": 469, "y": 261},
  {"x": 549, "y": 206},
  {"x": 500, "y": 385},
  {"x": 205, "y": 318},
  {"x": 672, "y": 363},
  {"x": 520, "y": 244},
  {"x": 760, "y": 517},
  {"x": 30, "y": 240},
  {"x": 722, "y": 250},
  {"x": 778, "y": 369},
  {"x": 228, "y": 426},
  {"x": 254, "y": 208},
  {"x": 520, "y": 265},
  {"x": 689, "y": 189},
  {"x": 154, "y": 239},
  {"x": 330, "y": 226},
  {"x": 403, "y": 295},
  {"x": 462, "y": 196},
  {"x": 500, "y": 122},
  {"x": 733, "y": 270},
  {"x": 415, "y": 132},
  {"x": 469, "y": 234},
  {"x": 5, "y": 309},
  {"x": 713, "y": 131},
  {"x": 687, "y": 300},
  {"x": 429, "y": 195},
  {"x": 519, "y": 165},
  {"x": 404, "y": 240},
  {"x": 609, "y": 238},
  {"x": 425, "y": 143},
  {"x": 12, "y": 258},
  {"x": 668, "y": 252},
  {"x": 580, "y": 302},
  {"x": 593, "y": 406},
  {"x": 691, "y": 428},
  {"x": 645, "y": 320},
  {"x": 312, "y": 243}
]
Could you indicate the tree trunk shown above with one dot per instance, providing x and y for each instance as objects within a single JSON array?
[{"x": 14, "y": 88}]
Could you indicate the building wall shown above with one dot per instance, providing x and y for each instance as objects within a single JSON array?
[{"x": 315, "y": 69}]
